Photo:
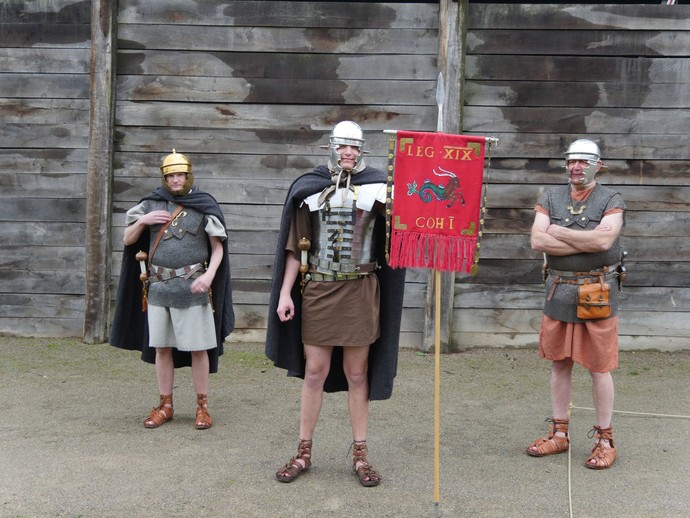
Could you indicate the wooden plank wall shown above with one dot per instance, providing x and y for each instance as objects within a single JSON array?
[
  {"x": 44, "y": 105},
  {"x": 540, "y": 76},
  {"x": 250, "y": 90}
]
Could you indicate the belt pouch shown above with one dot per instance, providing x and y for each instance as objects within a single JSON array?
[{"x": 593, "y": 299}]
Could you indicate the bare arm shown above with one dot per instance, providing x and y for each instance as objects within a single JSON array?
[
  {"x": 133, "y": 231},
  {"x": 557, "y": 240},
  {"x": 286, "y": 306},
  {"x": 202, "y": 283}
]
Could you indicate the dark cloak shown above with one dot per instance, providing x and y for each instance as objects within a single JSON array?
[
  {"x": 284, "y": 339},
  {"x": 129, "y": 329}
]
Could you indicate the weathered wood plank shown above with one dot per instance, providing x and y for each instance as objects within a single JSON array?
[
  {"x": 597, "y": 120},
  {"x": 572, "y": 68},
  {"x": 45, "y": 111},
  {"x": 41, "y": 258},
  {"x": 554, "y": 42},
  {"x": 51, "y": 85},
  {"x": 44, "y": 184},
  {"x": 289, "y": 91},
  {"x": 39, "y": 209},
  {"x": 43, "y": 233},
  {"x": 276, "y": 118},
  {"x": 268, "y": 142},
  {"x": 581, "y": 16},
  {"x": 44, "y": 60},
  {"x": 41, "y": 306},
  {"x": 20, "y": 135},
  {"x": 613, "y": 146},
  {"x": 581, "y": 94},
  {"x": 69, "y": 282},
  {"x": 53, "y": 11},
  {"x": 45, "y": 161},
  {"x": 267, "y": 39},
  {"x": 281, "y": 14},
  {"x": 36, "y": 327},
  {"x": 275, "y": 65},
  {"x": 73, "y": 35}
]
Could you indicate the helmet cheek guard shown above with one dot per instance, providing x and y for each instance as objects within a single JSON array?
[{"x": 177, "y": 163}]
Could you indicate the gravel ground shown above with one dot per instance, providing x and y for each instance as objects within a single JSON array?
[{"x": 73, "y": 444}]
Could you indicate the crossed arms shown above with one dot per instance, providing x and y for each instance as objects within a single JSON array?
[{"x": 557, "y": 240}]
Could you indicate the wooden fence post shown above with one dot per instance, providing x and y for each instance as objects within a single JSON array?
[
  {"x": 100, "y": 168},
  {"x": 451, "y": 62}
]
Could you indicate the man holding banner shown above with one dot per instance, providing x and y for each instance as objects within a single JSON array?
[
  {"x": 338, "y": 326},
  {"x": 577, "y": 227}
]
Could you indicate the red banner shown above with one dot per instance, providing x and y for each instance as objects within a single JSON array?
[{"x": 438, "y": 181}]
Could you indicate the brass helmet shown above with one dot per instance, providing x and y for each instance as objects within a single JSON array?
[{"x": 177, "y": 163}]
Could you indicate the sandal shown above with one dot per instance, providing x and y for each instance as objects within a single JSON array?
[
  {"x": 551, "y": 443},
  {"x": 160, "y": 414},
  {"x": 293, "y": 468},
  {"x": 604, "y": 456},
  {"x": 203, "y": 419},
  {"x": 368, "y": 476}
]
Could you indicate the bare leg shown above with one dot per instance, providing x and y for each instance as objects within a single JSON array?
[
  {"x": 603, "y": 396},
  {"x": 165, "y": 371},
  {"x": 200, "y": 371},
  {"x": 317, "y": 367},
  {"x": 561, "y": 394},
  {"x": 355, "y": 363},
  {"x": 561, "y": 387}
]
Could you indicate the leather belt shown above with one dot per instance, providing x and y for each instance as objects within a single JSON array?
[
  {"x": 160, "y": 273},
  {"x": 336, "y": 268},
  {"x": 609, "y": 270},
  {"x": 316, "y": 276}
]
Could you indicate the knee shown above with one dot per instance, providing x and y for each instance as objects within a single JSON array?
[
  {"x": 356, "y": 377},
  {"x": 164, "y": 352},
  {"x": 315, "y": 375}
]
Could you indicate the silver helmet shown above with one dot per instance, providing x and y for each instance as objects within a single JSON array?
[
  {"x": 346, "y": 133},
  {"x": 584, "y": 149}
]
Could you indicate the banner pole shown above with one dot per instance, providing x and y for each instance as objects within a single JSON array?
[{"x": 437, "y": 392}]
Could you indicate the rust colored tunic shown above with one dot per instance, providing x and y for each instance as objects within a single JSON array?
[
  {"x": 337, "y": 313},
  {"x": 593, "y": 344}
]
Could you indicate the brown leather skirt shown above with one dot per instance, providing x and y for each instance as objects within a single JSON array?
[{"x": 341, "y": 313}]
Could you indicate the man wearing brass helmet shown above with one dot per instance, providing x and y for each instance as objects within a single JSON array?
[
  {"x": 338, "y": 326},
  {"x": 577, "y": 227},
  {"x": 182, "y": 313}
]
